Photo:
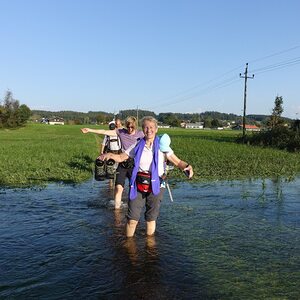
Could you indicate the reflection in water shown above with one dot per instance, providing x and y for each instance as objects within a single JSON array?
[
  {"x": 119, "y": 219},
  {"x": 136, "y": 256},
  {"x": 223, "y": 240},
  {"x": 151, "y": 247},
  {"x": 131, "y": 249}
]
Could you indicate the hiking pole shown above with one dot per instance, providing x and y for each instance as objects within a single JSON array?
[
  {"x": 169, "y": 190},
  {"x": 114, "y": 182}
]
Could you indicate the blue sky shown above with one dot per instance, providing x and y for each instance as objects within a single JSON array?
[{"x": 163, "y": 56}]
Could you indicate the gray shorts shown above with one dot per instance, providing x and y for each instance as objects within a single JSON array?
[
  {"x": 121, "y": 175},
  {"x": 148, "y": 200}
]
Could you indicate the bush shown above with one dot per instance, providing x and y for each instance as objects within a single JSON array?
[{"x": 280, "y": 137}]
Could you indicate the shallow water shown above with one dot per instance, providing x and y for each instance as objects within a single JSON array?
[{"x": 222, "y": 240}]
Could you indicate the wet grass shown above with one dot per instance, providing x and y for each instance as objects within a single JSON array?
[{"x": 38, "y": 154}]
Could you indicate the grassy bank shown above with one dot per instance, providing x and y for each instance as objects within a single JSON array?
[{"x": 41, "y": 153}]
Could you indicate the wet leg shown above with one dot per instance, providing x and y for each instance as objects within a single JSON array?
[
  {"x": 150, "y": 227},
  {"x": 130, "y": 227},
  {"x": 118, "y": 196}
]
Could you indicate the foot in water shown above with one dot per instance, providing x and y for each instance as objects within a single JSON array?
[{"x": 118, "y": 205}]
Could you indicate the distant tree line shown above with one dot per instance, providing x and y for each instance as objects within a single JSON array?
[
  {"x": 209, "y": 118},
  {"x": 74, "y": 117},
  {"x": 12, "y": 114}
]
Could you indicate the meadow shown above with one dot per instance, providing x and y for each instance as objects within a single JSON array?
[{"x": 38, "y": 154}]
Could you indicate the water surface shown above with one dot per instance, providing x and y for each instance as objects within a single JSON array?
[{"x": 221, "y": 240}]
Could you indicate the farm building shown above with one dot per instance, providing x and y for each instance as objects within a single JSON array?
[
  {"x": 197, "y": 125},
  {"x": 247, "y": 127},
  {"x": 56, "y": 121}
]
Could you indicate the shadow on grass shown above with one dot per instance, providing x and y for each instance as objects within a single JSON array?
[
  {"x": 81, "y": 162},
  {"x": 217, "y": 138}
]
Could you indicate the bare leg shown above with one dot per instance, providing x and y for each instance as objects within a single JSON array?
[
  {"x": 150, "y": 227},
  {"x": 130, "y": 227},
  {"x": 118, "y": 196},
  {"x": 111, "y": 183}
]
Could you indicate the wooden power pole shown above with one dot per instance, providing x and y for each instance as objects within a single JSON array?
[{"x": 245, "y": 96}]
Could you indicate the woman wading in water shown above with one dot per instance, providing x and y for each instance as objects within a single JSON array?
[
  {"x": 146, "y": 183},
  {"x": 128, "y": 137}
]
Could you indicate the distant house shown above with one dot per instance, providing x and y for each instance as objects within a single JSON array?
[
  {"x": 247, "y": 127},
  {"x": 163, "y": 126},
  {"x": 56, "y": 121},
  {"x": 197, "y": 125}
]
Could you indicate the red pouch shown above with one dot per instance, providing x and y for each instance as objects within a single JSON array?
[{"x": 143, "y": 182}]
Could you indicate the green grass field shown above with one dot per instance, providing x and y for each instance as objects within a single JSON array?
[{"x": 37, "y": 154}]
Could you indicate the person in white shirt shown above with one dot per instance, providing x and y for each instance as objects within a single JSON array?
[{"x": 146, "y": 189}]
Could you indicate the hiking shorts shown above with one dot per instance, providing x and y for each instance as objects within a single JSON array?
[
  {"x": 121, "y": 175},
  {"x": 148, "y": 200}
]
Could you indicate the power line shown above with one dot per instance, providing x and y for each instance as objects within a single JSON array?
[
  {"x": 204, "y": 91},
  {"x": 281, "y": 65},
  {"x": 228, "y": 81},
  {"x": 275, "y": 54}
]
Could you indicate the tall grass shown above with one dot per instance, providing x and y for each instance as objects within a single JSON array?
[
  {"x": 43, "y": 153},
  {"x": 216, "y": 156}
]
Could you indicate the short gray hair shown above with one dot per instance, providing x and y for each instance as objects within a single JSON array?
[{"x": 150, "y": 119}]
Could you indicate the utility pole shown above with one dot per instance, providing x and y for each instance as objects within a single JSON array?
[
  {"x": 245, "y": 96},
  {"x": 137, "y": 116}
]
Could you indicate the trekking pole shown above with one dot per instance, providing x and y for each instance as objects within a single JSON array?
[{"x": 169, "y": 190}]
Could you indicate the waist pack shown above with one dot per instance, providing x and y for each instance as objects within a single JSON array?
[{"x": 143, "y": 182}]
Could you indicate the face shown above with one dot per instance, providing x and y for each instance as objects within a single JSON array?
[
  {"x": 149, "y": 129},
  {"x": 130, "y": 128},
  {"x": 118, "y": 124}
]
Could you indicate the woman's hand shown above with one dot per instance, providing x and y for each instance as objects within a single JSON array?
[
  {"x": 104, "y": 156},
  {"x": 188, "y": 171},
  {"x": 85, "y": 130},
  {"x": 182, "y": 165}
]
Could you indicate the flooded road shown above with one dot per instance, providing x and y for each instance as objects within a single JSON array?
[{"x": 220, "y": 240}]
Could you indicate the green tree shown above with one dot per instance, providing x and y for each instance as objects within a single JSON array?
[
  {"x": 215, "y": 123},
  {"x": 11, "y": 106},
  {"x": 276, "y": 119},
  {"x": 1, "y": 116},
  {"x": 195, "y": 118},
  {"x": 86, "y": 120},
  {"x": 296, "y": 125},
  {"x": 24, "y": 113},
  {"x": 11, "y": 113},
  {"x": 101, "y": 118},
  {"x": 172, "y": 120},
  {"x": 207, "y": 122}
]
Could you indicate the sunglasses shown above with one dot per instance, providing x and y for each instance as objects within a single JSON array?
[{"x": 128, "y": 127}]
